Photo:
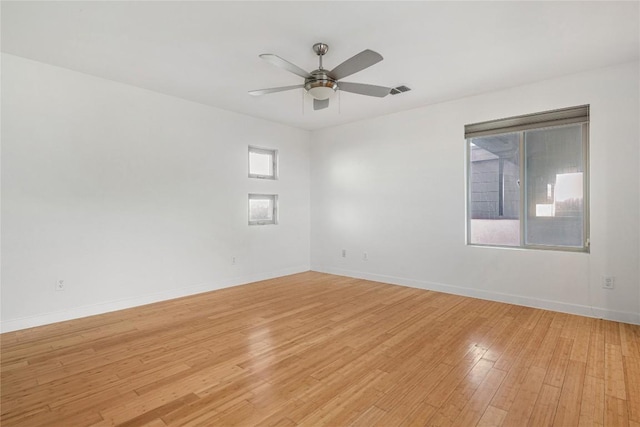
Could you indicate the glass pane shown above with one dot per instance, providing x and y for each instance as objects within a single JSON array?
[
  {"x": 555, "y": 194},
  {"x": 260, "y": 164},
  {"x": 260, "y": 210},
  {"x": 494, "y": 190}
]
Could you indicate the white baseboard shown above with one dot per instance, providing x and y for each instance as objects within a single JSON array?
[
  {"x": 106, "y": 307},
  {"x": 583, "y": 310}
]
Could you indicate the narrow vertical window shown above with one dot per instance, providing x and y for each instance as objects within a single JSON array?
[
  {"x": 554, "y": 174},
  {"x": 263, "y": 163},
  {"x": 494, "y": 192}
]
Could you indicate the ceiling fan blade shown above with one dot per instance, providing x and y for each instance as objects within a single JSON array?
[
  {"x": 283, "y": 63},
  {"x": 364, "y": 89},
  {"x": 274, "y": 89},
  {"x": 320, "y": 104},
  {"x": 356, "y": 63}
]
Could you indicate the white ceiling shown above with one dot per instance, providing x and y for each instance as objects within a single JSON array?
[{"x": 208, "y": 51}]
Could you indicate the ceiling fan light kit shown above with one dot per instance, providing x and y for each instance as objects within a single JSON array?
[
  {"x": 320, "y": 87},
  {"x": 321, "y": 84}
]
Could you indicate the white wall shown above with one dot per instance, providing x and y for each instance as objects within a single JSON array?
[
  {"x": 130, "y": 196},
  {"x": 394, "y": 187}
]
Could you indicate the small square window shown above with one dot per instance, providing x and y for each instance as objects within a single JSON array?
[
  {"x": 263, "y": 163},
  {"x": 263, "y": 209}
]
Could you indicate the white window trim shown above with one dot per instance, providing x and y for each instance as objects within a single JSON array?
[
  {"x": 274, "y": 158},
  {"x": 273, "y": 198}
]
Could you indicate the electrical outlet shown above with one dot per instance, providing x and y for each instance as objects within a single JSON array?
[
  {"x": 608, "y": 282},
  {"x": 59, "y": 285},
  {"x": 365, "y": 256},
  {"x": 344, "y": 253}
]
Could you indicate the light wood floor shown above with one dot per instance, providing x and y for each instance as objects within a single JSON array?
[{"x": 316, "y": 349}]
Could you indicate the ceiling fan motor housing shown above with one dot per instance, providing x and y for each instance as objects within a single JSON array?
[{"x": 320, "y": 86}]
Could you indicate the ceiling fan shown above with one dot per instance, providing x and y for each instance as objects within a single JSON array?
[{"x": 321, "y": 83}]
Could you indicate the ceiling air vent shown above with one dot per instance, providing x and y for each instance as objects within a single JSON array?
[{"x": 399, "y": 89}]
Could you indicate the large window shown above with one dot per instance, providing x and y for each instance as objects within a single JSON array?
[{"x": 527, "y": 181}]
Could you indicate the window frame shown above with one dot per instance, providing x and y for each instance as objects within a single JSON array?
[
  {"x": 520, "y": 128},
  {"x": 274, "y": 200},
  {"x": 274, "y": 159}
]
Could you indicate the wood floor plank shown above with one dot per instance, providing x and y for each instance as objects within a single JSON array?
[
  {"x": 544, "y": 410},
  {"x": 593, "y": 402},
  {"x": 318, "y": 349},
  {"x": 614, "y": 380},
  {"x": 595, "y": 355},
  {"x": 520, "y": 412},
  {"x": 492, "y": 417},
  {"x": 419, "y": 416},
  {"x": 351, "y": 401},
  {"x": 547, "y": 346},
  {"x": 477, "y": 404},
  {"x": 580, "y": 347},
  {"x": 559, "y": 361},
  {"x": 568, "y": 412},
  {"x": 629, "y": 340},
  {"x": 616, "y": 413},
  {"x": 451, "y": 408},
  {"x": 508, "y": 390},
  {"x": 632, "y": 371},
  {"x": 369, "y": 417}
]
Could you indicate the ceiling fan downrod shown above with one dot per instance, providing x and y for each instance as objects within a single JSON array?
[
  {"x": 320, "y": 86},
  {"x": 320, "y": 49}
]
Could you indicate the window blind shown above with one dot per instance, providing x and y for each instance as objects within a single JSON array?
[{"x": 562, "y": 116}]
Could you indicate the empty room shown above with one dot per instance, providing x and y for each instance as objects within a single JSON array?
[{"x": 320, "y": 213}]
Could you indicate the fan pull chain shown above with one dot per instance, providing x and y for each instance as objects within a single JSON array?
[{"x": 339, "y": 102}]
